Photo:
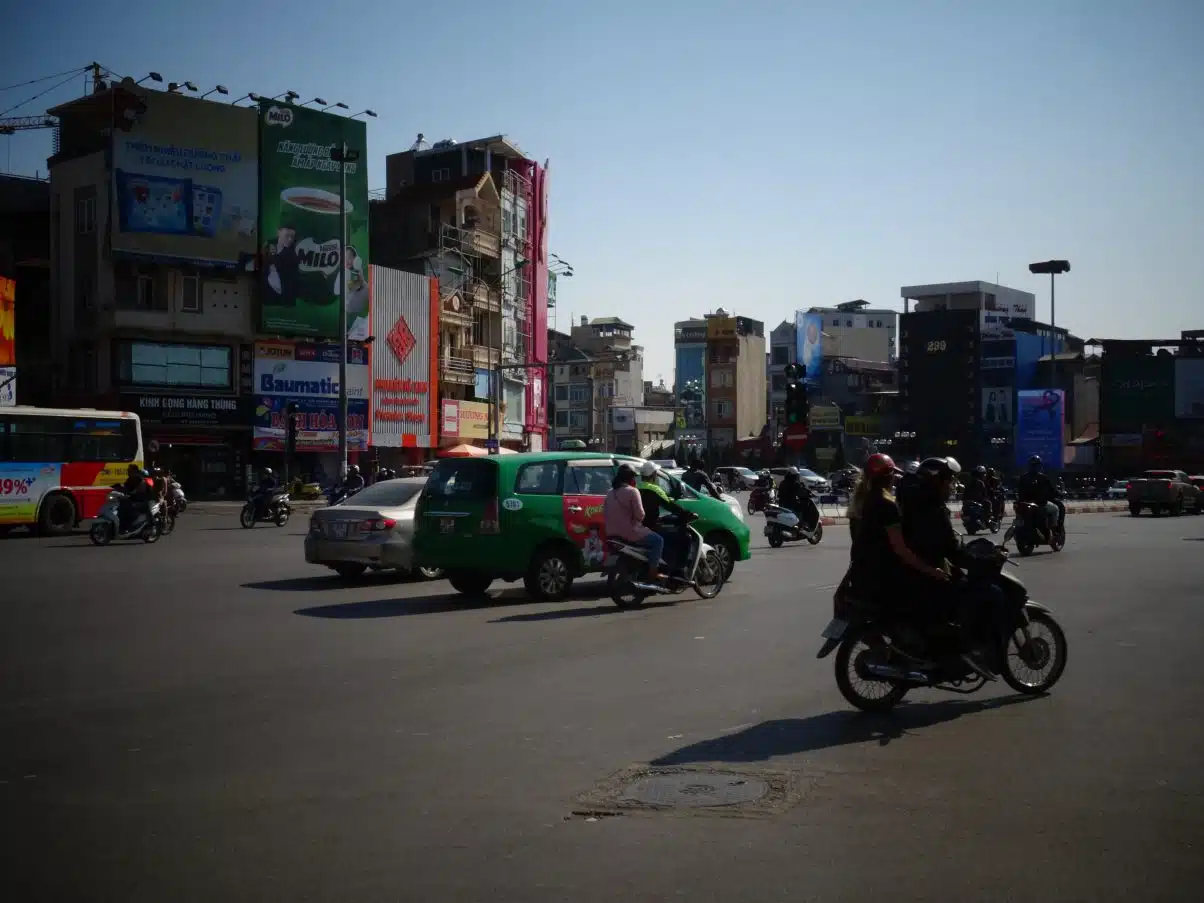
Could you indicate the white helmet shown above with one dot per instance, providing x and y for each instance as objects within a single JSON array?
[{"x": 648, "y": 469}]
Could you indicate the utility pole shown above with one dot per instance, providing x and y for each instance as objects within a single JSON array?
[{"x": 343, "y": 155}]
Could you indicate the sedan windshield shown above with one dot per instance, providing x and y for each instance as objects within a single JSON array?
[{"x": 389, "y": 494}]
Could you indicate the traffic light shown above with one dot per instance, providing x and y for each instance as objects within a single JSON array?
[{"x": 797, "y": 406}]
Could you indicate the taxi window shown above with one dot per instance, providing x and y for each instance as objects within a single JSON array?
[
  {"x": 540, "y": 478},
  {"x": 588, "y": 478}
]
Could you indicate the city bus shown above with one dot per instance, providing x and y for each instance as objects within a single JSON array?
[{"x": 57, "y": 465}]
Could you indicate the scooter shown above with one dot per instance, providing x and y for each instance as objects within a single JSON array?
[
  {"x": 108, "y": 527},
  {"x": 1028, "y": 532},
  {"x": 275, "y": 510},
  {"x": 782, "y": 524},
  {"x": 176, "y": 498},
  {"x": 975, "y": 517},
  {"x": 627, "y": 580},
  {"x": 760, "y": 497}
]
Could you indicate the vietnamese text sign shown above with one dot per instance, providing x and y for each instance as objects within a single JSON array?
[
  {"x": 317, "y": 423},
  {"x": 187, "y": 410},
  {"x": 302, "y": 264},
  {"x": 185, "y": 181},
  {"x": 465, "y": 419}
]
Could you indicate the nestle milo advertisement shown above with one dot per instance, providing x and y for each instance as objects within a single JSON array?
[{"x": 301, "y": 266}]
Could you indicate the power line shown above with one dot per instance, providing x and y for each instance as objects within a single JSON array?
[
  {"x": 74, "y": 74},
  {"x": 44, "y": 78}
]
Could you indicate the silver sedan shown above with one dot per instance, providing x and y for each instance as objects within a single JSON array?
[{"x": 372, "y": 529}]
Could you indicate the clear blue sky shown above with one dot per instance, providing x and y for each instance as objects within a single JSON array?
[{"x": 757, "y": 156}]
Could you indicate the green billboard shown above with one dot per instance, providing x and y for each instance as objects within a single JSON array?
[{"x": 301, "y": 269}]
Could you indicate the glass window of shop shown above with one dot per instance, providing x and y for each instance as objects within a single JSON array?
[{"x": 172, "y": 366}]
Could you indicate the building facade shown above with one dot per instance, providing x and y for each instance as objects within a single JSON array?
[
  {"x": 856, "y": 330},
  {"x": 782, "y": 352},
  {"x": 689, "y": 383},
  {"x": 596, "y": 369},
  {"x": 735, "y": 380}
]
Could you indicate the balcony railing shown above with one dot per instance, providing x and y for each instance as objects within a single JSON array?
[
  {"x": 457, "y": 368},
  {"x": 484, "y": 357}
]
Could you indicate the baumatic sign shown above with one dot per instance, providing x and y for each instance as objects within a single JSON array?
[{"x": 405, "y": 379}]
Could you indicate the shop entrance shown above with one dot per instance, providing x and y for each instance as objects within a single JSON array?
[{"x": 207, "y": 472}]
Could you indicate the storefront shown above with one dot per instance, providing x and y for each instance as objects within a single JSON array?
[{"x": 203, "y": 440}]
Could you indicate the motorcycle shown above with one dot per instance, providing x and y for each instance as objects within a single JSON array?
[
  {"x": 275, "y": 510},
  {"x": 626, "y": 568},
  {"x": 782, "y": 524},
  {"x": 879, "y": 659},
  {"x": 976, "y": 516},
  {"x": 761, "y": 497},
  {"x": 1029, "y": 531},
  {"x": 175, "y": 498},
  {"x": 338, "y": 493},
  {"x": 107, "y": 526}
]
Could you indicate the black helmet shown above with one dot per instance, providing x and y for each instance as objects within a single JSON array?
[
  {"x": 267, "y": 471},
  {"x": 940, "y": 467},
  {"x": 1034, "y": 462},
  {"x": 980, "y": 470}
]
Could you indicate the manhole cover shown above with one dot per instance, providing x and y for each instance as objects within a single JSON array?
[
  {"x": 698, "y": 789},
  {"x": 694, "y": 791}
]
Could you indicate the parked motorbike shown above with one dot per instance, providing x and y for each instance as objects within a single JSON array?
[
  {"x": 783, "y": 525},
  {"x": 107, "y": 526},
  {"x": 976, "y": 516},
  {"x": 275, "y": 510},
  {"x": 1030, "y": 529},
  {"x": 626, "y": 568},
  {"x": 880, "y": 658},
  {"x": 760, "y": 497},
  {"x": 175, "y": 498}
]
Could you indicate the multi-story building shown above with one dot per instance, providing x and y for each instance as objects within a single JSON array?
[
  {"x": 474, "y": 214},
  {"x": 735, "y": 379},
  {"x": 596, "y": 370},
  {"x": 856, "y": 330},
  {"x": 25, "y": 260},
  {"x": 152, "y": 299},
  {"x": 782, "y": 352},
  {"x": 689, "y": 383}
]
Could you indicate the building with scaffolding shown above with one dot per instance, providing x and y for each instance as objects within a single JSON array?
[{"x": 474, "y": 214}]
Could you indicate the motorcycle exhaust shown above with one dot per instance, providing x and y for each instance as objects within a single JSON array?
[
  {"x": 889, "y": 673},
  {"x": 649, "y": 587}
]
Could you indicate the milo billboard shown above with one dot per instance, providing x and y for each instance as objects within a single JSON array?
[{"x": 302, "y": 266}]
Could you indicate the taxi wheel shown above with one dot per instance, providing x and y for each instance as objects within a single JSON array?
[
  {"x": 727, "y": 550},
  {"x": 550, "y": 576}
]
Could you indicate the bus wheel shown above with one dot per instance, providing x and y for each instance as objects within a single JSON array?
[{"x": 57, "y": 516}]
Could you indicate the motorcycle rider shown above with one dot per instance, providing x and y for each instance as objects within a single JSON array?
[
  {"x": 696, "y": 478},
  {"x": 928, "y": 529},
  {"x": 137, "y": 490},
  {"x": 654, "y": 499},
  {"x": 908, "y": 483},
  {"x": 623, "y": 513},
  {"x": 354, "y": 481},
  {"x": 794, "y": 495},
  {"x": 995, "y": 493},
  {"x": 1036, "y": 488},
  {"x": 268, "y": 486},
  {"x": 975, "y": 491}
]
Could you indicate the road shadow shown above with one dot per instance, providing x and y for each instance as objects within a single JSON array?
[
  {"x": 400, "y": 608},
  {"x": 790, "y": 736},
  {"x": 592, "y": 611}
]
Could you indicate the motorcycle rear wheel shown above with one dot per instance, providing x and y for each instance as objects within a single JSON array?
[
  {"x": 708, "y": 576},
  {"x": 620, "y": 583},
  {"x": 101, "y": 533},
  {"x": 775, "y": 537},
  {"x": 817, "y": 535},
  {"x": 845, "y": 661}
]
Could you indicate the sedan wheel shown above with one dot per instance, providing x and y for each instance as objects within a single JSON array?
[{"x": 550, "y": 576}]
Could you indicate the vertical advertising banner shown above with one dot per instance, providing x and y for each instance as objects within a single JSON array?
[
  {"x": 405, "y": 381},
  {"x": 302, "y": 267},
  {"x": 185, "y": 181},
  {"x": 1040, "y": 419},
  {"x": 997, "y": 408},
  {"x": 809, "y": 329},
  {"x": 8, "y": 322}
]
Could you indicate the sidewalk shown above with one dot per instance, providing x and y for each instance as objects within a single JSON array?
[
  {"x": 233, "y": 507},
  {"x": 837, "y": 514}
]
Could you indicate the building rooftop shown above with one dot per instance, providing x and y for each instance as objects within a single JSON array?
[
  {"x": 609, "y": 321},
  {"x": 913, "y": 292},
  {"x": 496, "y": 144}
]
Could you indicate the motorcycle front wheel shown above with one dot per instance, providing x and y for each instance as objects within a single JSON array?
[
  {"x": 708, "y": 576},
  {"x": 1033, "y": 665},
  {"x": 815, "y": 536},
  {"x": 101, "y": 533},
  {"x": 620, "y": 583},
  {"x": 775, "y": 537},
  {"x": 151, "y": 532},
  {"x": 247, "y": 517},
  {"x": 282, "y": 516}
]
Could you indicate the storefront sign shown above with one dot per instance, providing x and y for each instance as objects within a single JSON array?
[
  {"x": 465, "y": 419},
  {"x": 300, "y": 216},
  {"x": 998, "y": 363},
  {"x": 188, "y": 410},
  {"x": 317, "y": 424},
  {"x": 824, "y": 419},
  {"x": 308, "y": 370},
  {"x": 405, "y": 318},
  {"x": 185, "y": 181},
  {"x": 863, "y": 426},
  {"x": 721, "y": 327},
  {"x": 690, "y": 334}
]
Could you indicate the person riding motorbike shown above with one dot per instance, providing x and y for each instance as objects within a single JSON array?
[
  {"x": 794, "y": 495},
  {"x": 655, "y": 500},
  {"x": 928, "y": 530},
  {"x": 137, "y": 490},
  {"x": 975, "y": 491},
  {"x": 268, "y": 486},
  {"x": 354, "y": 481},
  {"x": 623, "y": 513},
  {"x": 1036, "y": 488},
  {"x": 995, "y": 492},
  {"x": 697, "y": 479}
]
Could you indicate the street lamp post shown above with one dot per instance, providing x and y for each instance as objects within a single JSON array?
[
  {"x": 1054, "y": 268},
  {"x": 343, "y": 155},
  {"x": 495, "y": 373}
]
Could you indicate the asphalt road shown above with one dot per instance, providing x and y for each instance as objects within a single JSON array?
[{"x": 211, "y": 719}]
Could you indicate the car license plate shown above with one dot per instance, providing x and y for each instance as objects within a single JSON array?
[
  {"x": 835, "y": 629},
  {"x": 447, "y": 524},
  {"x": 338, "y": 531}
]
